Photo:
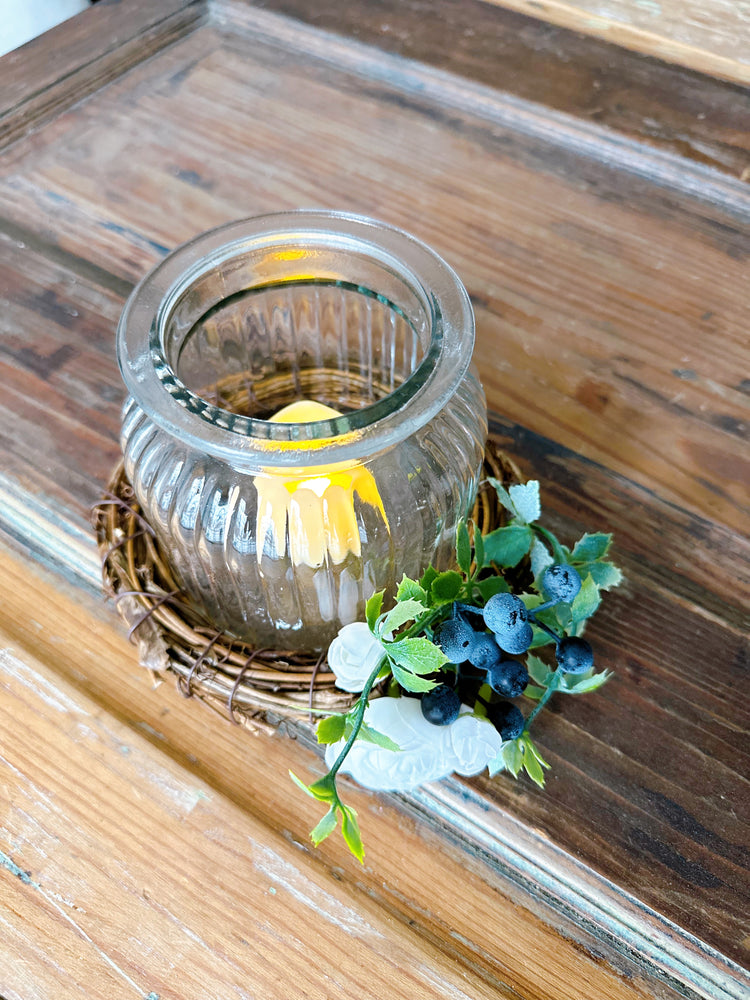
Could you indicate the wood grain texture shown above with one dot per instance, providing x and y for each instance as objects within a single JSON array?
[
  {"x": 605, "y": 287},
  {"x": 711, "y": 37},
  {"x": 608, "y": 282},
  {"x": 660, "y": 104},
  {"x": 178, "y": 867},
  {"x": 89, "y": 51}
]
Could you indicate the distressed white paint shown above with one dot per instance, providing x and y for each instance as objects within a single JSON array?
[
  {"x": 438, "y": 983},
  {"x": 182, "y": 796},
  {"x": 284, "y": 875},
  {"x": 171, "y": 791},
  {"x": 8, "y": 863},
  {"x": 16, "y": 669}
]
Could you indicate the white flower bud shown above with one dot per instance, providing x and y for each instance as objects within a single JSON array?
[{"x": 353, "y": 655}]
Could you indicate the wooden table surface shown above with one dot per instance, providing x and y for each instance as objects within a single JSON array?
[{"x": 149, "y": 847}]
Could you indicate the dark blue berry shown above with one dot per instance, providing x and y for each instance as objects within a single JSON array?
[
  {"x": 561, "y": 582},
  {"x": 441, "y": 705},
  {"x": 504, "y": 613},
  {"x": 509, "y": 678},
  {"x": 574, "y": 655},
  {"x": 507, "y": 719},
  {"x": 518, "y": 641},
  {"x": 486, "y": 652},
  {"x": 456, "y": 639}
]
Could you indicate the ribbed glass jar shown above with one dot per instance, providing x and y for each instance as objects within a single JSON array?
[{"x": 280, "y": 529}]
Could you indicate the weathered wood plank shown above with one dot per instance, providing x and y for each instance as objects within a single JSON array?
[
  {"x": 232, "y": 905},
  {"x": 664, "y": 105},
  {"x": 180, "y": 860},
  {"x": 90, "y": 49},
  {"x": 712, "y": 38},
  {"x": 60, "y": 387},
  {"x": 584, "y": 327}
]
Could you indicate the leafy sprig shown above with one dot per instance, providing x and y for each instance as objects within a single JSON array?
[{"x": 413, "y": 662}]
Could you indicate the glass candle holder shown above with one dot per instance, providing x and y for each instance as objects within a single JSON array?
[{"x": 303, "y": 425}]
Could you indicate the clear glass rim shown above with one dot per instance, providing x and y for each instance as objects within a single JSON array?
[{"x": 252, "y": 442}]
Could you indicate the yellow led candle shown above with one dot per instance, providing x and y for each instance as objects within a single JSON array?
[{"x": 312, "y": 508}]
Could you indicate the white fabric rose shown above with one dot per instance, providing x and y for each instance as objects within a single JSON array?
[
  {"x": 353, "y": 655},
  {"x": 427, "y": 753}
]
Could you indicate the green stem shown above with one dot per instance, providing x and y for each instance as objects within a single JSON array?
[
  {"x": 423, "y": 622},
  {"x": 545, "y": 628},
  {"x": 557, "y": 552},
  {"x": 359, "y": 716},
  {"x": 553, "y": 686}
]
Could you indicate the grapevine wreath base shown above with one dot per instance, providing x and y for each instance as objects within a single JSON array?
[{"x": 257, "y": 688}]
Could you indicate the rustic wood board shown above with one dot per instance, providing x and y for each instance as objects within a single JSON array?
[
  {"x": 713, "y": 36},
  {"x": 657, "y": 102},
  {"x": 181, "y": 862},
  {"x": 609, "y": 284}
]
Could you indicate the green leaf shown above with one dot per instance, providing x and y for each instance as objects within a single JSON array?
[
  {"x": 428, "y": 576},
  {"x": 559, "y": 552},
  {"x": 490, "y": 586},
  {"x": 540, "y": 638},
  {"x": 350, "y": 831},
  {"x": 324, "y": 789},
  {"x": 485, "y": 693},
  {"x": 538, "y": 669},
  {"x": 531, "y": 748},
  {"x": 478, "y": 548},
  {"x": 403, "y": 612},
  {"x": 331, "y": 729},
  {"x": 513, "y": 756},
  {"x": 497, "y": 764},
  {"x": 540, "y": 558},
  {"x": 586, "y": 601},
  {"x": 418, "y": 655},
  {"x": 533, "y": 769},
  {"x": 370, "y": 735},
  {"x": 531, "y": 601},
  {"x": 604, "y": 574},
  {"x": 446, "y": 587},
  {"x": 301, "y": 784},
  {"x": 534, "y": 692},
  {"x": 507, "y": 546},
  {"x": 411, "y": 682},
  {"x": 563, "y": 615},
  {"x": 555, "y": 618},
  {"x": 525, "y": 500},
  {"x": 463, "y": 548},
  {"x": 589, "y": 548},
  {"x": 325, "y": 828},
  {"x": 410, "y": 590},
  {"x": 373, "y": 608},
  {"x": 502, "y": 494},
  {"x": 587, "y": 684}
]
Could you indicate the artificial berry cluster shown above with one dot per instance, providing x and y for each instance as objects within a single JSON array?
[{"x": 482, "y": 643}]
